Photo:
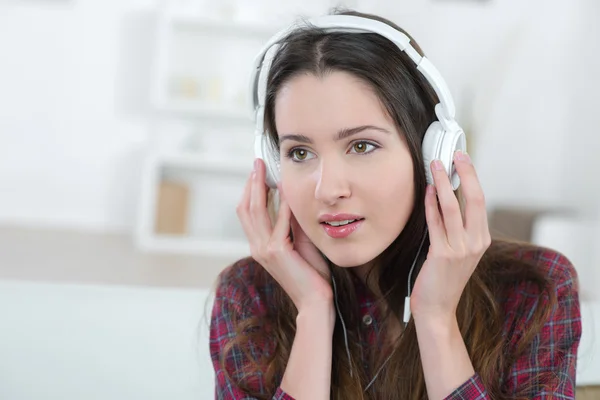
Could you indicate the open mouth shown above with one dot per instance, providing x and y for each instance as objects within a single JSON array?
[
  {"x": 341, "y": 229},
  {"x": 342, "y": 223}
]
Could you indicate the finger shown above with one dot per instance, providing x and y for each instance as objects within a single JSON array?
[
  {"x": 261, "y": 222},
  {"x": 476, "y": 221},
  {"x": 435, "y": 224},
  {"x": 453, "y": 221},
  {"x": 243, "y": 211},
  {"x": 298, "y": 232},
  {"x": 281, "y": 230},
  {"x": 307, "y": 249}
]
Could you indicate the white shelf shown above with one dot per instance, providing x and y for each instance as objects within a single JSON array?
[
  {"x": 180, "y": 31},
  {"x": 206, "y": 163},
  {"x": 194, "y": 245}
]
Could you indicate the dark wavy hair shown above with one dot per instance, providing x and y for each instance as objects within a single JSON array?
[{"x": 409, "y": 99}]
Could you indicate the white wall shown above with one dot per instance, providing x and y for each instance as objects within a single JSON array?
[
  {"x": 73, "y": 116},
  {"x": 525, "y": 79},
  {"x": 536, "y": 143},
  {"x": 69, "y": 140}
]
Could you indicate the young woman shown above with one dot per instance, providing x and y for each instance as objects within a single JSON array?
[{"x": 318, "y": 311}]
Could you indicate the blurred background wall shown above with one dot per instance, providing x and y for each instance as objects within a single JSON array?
[
  {"x": 74, "y": 105},
  {"x": 80, "y": 115}
]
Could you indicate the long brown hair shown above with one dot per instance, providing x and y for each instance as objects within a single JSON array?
[{"x": 410, "y": 101}]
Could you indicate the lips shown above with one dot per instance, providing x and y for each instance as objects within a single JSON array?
[
  {"x": 339, "y": 226},
  {"x": 338, "y": 217}
]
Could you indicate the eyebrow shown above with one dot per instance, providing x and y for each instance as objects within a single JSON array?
[{"x": 341, "y": 135}]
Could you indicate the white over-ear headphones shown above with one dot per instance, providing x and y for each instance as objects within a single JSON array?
[{"x": 443, "y": 137}]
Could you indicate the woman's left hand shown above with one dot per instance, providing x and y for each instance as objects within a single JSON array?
[{"x": 456, "y": 246}]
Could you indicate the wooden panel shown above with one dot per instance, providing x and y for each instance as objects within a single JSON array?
[
  {"x": 172, "y": 208},
  {"x": 588, "y": 393}
]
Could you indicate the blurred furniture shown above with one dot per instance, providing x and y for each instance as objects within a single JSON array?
[
  {"x": 202, "y": 132},
  {"x": 172, "y": 208},
  {"x": 575, "y": 237},
  {"x": 98, "y": 342},
  {"x": 513, "y": 222},
  {"x": 588, "y": 393}
]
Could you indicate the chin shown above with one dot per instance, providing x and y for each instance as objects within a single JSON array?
[{"x": 344, "y": 258}]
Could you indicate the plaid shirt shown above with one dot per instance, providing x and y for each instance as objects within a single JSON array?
[{"x": 561, "y": 332}]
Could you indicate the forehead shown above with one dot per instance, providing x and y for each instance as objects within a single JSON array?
[{"x": 323, "y": 104}]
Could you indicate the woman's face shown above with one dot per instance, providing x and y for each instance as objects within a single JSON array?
[{"x": 342, "y": 158}]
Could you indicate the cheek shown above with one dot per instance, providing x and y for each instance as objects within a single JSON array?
[
  {"x": 395, "y": 193},
  {"x": 295, "y": 194}
]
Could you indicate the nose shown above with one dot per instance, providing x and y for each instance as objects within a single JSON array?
[{"x": 332, "y": 184}]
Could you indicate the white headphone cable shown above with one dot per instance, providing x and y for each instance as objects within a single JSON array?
[
  {"x": 407, "y": 298},
  {"x": 337, "y": 307},
  {"x": 406, "y": 315}
]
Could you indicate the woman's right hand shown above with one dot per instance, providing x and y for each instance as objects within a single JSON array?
[{"x": 297, "y": 266}]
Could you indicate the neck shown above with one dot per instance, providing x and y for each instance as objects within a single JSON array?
[
  {"x": 365, "y": 270},
  {"x": 393, "y": 326}
]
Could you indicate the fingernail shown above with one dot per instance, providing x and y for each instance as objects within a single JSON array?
[
  {"x": 437, "y": 165},
  {"x": 255, "y": 164},
  {"x": 430, "y": 189},
  {"x": 460, "y": 156}
]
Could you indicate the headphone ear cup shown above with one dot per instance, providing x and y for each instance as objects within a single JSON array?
[
  {"x": 441, "y": 144},
  {"x": 453, "y": 141},
  {"x": 430, "y": 147},
  {"x": 264, "y": 151}
]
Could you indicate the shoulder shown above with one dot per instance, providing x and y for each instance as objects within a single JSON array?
[
  {"x": 556, "y": 269},
  {"x": 546, "y": 287},
  {"x": 554, "y": 265},
  {"x": 245, "y": 286},
  {"x": 239, "y": 343},
  {"x": 240, "y": 272}
]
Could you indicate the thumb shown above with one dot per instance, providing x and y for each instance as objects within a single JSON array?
[
  {"x": 299, "y": 235},
  {"x": 306, "y": 248},
  {"x": 287, "y": 219},
  {"x": 281, "y": 230},
  {"x": 301, "y": 243}
]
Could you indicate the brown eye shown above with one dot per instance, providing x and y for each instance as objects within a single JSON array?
[
  {"x": 300, "y": 154},
  {"x": 360, "y": 147},
  {"x": 363, "y": 147}
]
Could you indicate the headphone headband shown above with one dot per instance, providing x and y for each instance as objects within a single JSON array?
[{"x": 351, "y": 24}]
